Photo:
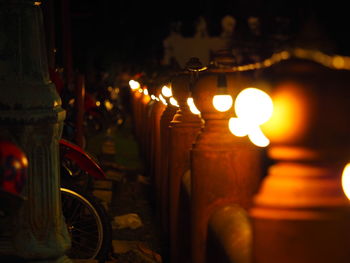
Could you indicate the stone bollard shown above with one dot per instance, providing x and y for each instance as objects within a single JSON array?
[
  {"x": 136, "y": 93},
  {"x": 162, "y": 174},
  {"x": 301, "y": 213},
  {"x": 155, "y": 142},
  {"x": 183, "y": 130},
  {"x": 144, "y": 119},
  {"x": 30, "y": 110},
  {"x": 224, "y": 169},
  {"x": 150, "y": 113}
]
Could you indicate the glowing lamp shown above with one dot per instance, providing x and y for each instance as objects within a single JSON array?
[
  {"x": 173, "y": 102},
  {"x": 134, "y": 85},
  {"x": 346, "y": 180},
  {"x": 166, "y": 91},
  {"x": 222, "y": 101},
  {"x": 153, "y": 97},
  {"x": 192, "y": 106},
  {"x": 253, "y": 107},
  {"x": 108, "y": 105},
  {"x": 162, "y": 99},
  {"x": 145, "y": 92}
]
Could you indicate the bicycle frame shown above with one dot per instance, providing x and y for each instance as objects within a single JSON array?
[{"x": 81, "y": 158}]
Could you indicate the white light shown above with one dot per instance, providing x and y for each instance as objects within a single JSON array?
[
  {"x": 222, "y": 102},
  {"x": 192, "y": 106},
  {"x": 240, "y": 128},
  {"x": 162, "y": 99},
  {"x": 173, "y": 102},
  {"x": 237, "y": 127},
  {"x": 166, "y": 91},
  {"x": 145, "y": 92},
  {"x": 257, "y": 137},
  {"x": 254, "y": 105},
  {"x": 346, "y": 180},
  {"x": 134, "y": 84},
  {"x": 153, "y": 97}
]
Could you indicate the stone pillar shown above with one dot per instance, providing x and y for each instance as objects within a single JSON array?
[
  {"x": 301, "y": 213},
  {"x": 224, "y": 169},
  {"x": 30, "y": 110},
  {"x": 162, "y": 176},
  {"x": 183, "y": 130},
  {"x": 158, "y": 110}
]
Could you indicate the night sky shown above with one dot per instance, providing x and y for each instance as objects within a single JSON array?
[{"x": 106, "y": 31}]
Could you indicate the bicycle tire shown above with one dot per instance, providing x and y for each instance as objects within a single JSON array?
[{"x": 91, "y": 236}]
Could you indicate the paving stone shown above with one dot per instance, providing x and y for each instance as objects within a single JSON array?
[
  {"x": 85, "y": 261},
  {"x": 123, "y": 246},
  {"x": 104, "y": 195},
  {"x": 108, "y": 148},
  {"x": 134, "y": 252},
  {"x": 103, "y": 184},
  {"x": 114, "y": 175}
]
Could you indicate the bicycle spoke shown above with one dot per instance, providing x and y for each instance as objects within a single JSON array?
[{"x": 84, "y": 224}]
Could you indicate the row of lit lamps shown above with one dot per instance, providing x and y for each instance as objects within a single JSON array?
[{"x": 253, "y": 107}]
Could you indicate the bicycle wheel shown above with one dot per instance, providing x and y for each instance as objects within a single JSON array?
[{"x": 88, "y": 224}]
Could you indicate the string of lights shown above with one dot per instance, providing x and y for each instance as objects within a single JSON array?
[{"x": 331, "y": 61}]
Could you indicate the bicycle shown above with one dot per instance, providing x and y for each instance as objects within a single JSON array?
[{"x": 86, "y": 218}]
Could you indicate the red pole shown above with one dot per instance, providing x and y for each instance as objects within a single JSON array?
[
  {"x": 67, "y": 41},
  {"x": 79, "y": 107}
]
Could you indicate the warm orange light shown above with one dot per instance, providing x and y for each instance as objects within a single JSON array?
[
  {"x": 222, "y": 103},
  {"x": 346, "y": 180},
  {"x": 166, "y": 91},
  {"x": 134, "y": 85},
  {"x": 289, "y": 115},
  {"x": 98, "y": 103},
  {"x": 192, "y": 106},
  {"x": 146, "y": 98},
  {"x": 108, "y": 105},
  {"x": 173, "y": 102}
]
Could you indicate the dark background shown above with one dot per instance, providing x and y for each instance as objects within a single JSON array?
[{"x": 107, "y": 32}]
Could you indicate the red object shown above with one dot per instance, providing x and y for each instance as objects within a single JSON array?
[
  {"x": 57, "y": 80},
  {"x": 81, "y": 158},
  {"x": 89, "y": 102},
  {"x": 13, "y": 168}
]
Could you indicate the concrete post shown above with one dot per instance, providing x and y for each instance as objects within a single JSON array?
[
  {"x": 30, "y": 110},
  {"x": 224, "y": 169},
  {"x": 183, "y": 130},
  {"x": 301, "y": 213}
]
